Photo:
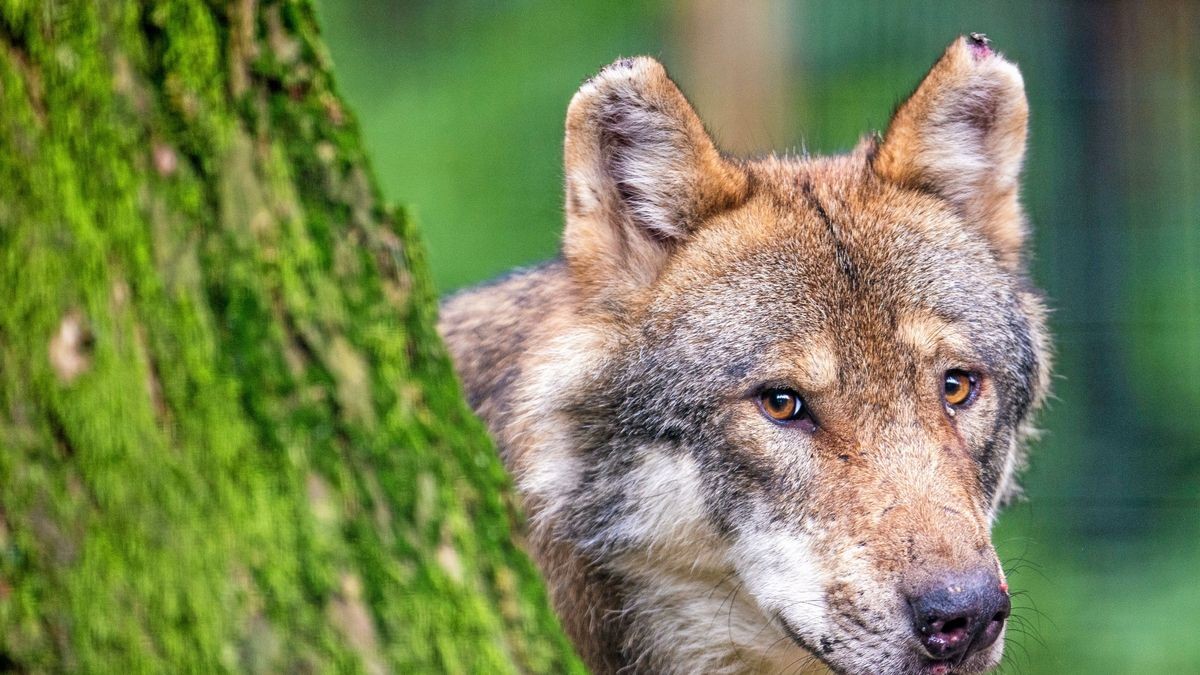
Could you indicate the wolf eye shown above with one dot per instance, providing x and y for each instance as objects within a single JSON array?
[
  {"x": 958, "y": 388},
  {"x": 785, "y": 406}
]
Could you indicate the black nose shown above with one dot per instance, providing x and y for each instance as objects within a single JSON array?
[{"x": 960, "y": 614}]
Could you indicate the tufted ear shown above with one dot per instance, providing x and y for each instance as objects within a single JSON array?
[
  {"x": 641, "y": 174},
  {"x": 961, "y": 135}
]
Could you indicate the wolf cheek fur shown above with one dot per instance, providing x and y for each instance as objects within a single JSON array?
[{"x": 680, "y": 529}]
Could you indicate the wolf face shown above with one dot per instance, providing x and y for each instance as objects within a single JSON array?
[{"x": 762, "y": 414}]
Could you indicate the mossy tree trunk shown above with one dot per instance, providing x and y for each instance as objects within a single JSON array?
[{"x": 229, "y": 438}]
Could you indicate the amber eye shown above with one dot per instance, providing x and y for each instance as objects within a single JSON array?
[
  {"x": 958, "y": 388},
  {"x": 783, "y": 405}
]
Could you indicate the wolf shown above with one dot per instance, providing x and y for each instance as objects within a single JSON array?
[{"x": 763, "y": 413}]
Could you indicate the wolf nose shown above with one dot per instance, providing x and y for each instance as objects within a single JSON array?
[{"x": 961, "y": 614}]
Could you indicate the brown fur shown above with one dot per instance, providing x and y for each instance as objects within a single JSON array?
[{"x": 620, "y": 381}]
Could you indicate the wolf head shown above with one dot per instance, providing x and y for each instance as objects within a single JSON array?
[{"x": 806, "y": 381}]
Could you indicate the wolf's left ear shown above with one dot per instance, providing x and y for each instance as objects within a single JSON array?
[
  {"x": 642, "y": 175},
  {"x": 961, "y": 135}
]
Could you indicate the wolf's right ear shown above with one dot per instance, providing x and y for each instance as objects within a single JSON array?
[{"x": 641, "y": 174}]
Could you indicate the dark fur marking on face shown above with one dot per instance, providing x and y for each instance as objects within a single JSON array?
[
  {"x": 599, "y": 502},
  {"x": 840, "y": 254},
  {"x": 737, "y": 371},
  {"x": 799, "y": 639},
  {"x": 991, "y": 464}
]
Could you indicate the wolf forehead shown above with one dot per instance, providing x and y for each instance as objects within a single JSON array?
[{"x": 826, "y": 259}]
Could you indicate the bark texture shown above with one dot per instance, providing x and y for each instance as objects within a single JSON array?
[{"x": 229, "y": 437}]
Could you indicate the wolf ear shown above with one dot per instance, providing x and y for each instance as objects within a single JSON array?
[
  {"x": 961, "y": 135},
  {"x": 641, "y": 174}
]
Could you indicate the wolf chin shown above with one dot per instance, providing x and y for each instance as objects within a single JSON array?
[{"x": 762, "y": 413}]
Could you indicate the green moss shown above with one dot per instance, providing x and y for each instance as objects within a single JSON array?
[{"x": 264, "y": 463}]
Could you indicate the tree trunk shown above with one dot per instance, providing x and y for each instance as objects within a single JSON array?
[{"x": 229, "y": 437}]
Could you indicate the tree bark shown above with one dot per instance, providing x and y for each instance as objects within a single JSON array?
[{"x": 229, "y": 437}]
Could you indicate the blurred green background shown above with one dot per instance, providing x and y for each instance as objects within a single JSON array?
[{"x": 462, "y": 102}]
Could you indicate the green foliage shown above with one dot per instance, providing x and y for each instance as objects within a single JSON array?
[{"x": 230, "y": 439}]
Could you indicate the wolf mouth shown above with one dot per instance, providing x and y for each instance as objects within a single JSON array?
[{"x": 925, "y": 665}]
